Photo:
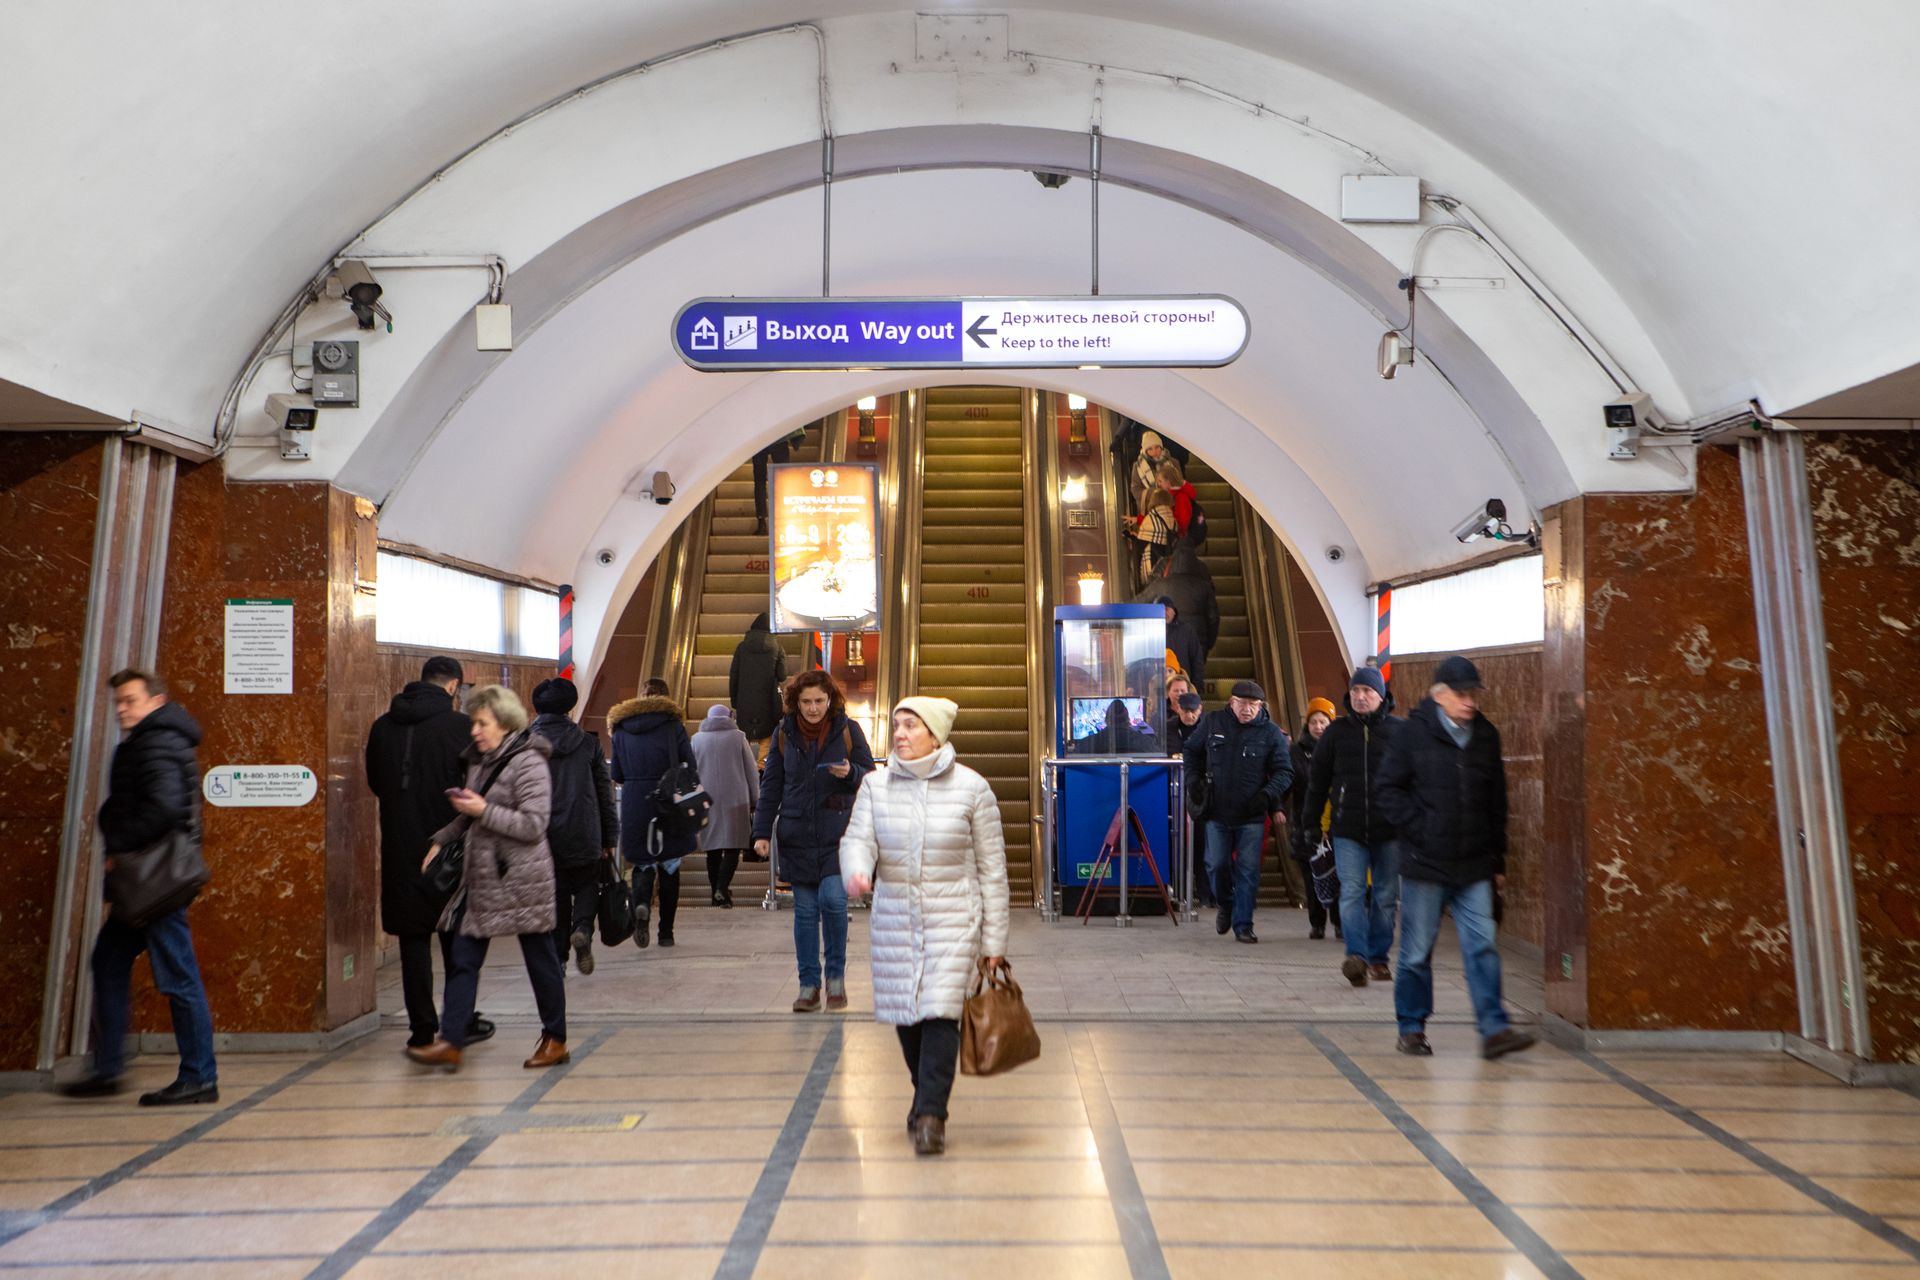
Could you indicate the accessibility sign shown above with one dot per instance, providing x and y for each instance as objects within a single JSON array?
[
  {"x": 259, "y": 786},
  {"x": 716, "y": 335}
]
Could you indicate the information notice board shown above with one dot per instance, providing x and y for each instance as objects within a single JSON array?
[{"x": 259, "y": 646}]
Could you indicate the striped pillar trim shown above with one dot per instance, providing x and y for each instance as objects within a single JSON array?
[
  {"x": 1383, "y": 632},
  {"x": 566, "y": 633}
]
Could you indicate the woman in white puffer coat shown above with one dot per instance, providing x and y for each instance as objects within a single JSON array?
[{"x": 925, "y": 837}]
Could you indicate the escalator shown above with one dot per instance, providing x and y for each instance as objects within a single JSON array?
[
  {"x": 1231, "y": 658},
  {"x": 972, "y": 639}
]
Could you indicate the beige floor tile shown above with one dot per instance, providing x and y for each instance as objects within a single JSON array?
[
  {"x": 43, "y": 1129},
  {"x": 1148, "y": 1144},
  {"x": 660, "y": 1115},
  {"x": 34, "y": 1194},
  {"x": 1599, "y": 1188},
  {"x": 1838, "y": 1158},
  {"x": 543, "y": 1264},
  {"x": 384, "y": 1123},
  {"x": 643, "y": 1090},
  {"x": 1599, "y": 1268},
  {"x": 1199, "y": 1223},
  {"x": 1599, "y": 1153},
  {"x": 1707, "y": 1234},
  {"x": 1519, "y": 1093},
  {"x": 1292, "y": 1182},
  {"x": 243, "y": 1191},
  {"x": 954, "y": 1175},
  {"x": 628, "y": 1225},
  {"x": 1785, "y": 1124},
  {"x": 253, "y": 1269},
  {"x": 1876, "y": 1195},
  {"x": 895, "y": 1261},
  {"x": 462, "y": 1089},
  {"x": 77, "y": 1163},
  {"x": 1443, "y": 1118},
  {"x": 979, "y": 1141},
  {"x": 593, "y": 1149},
  {"x": 155, "y": 1239},
  {"x": 295, "y": 1153},
  {"x": 1310, "y": 1264},
  {"x": 966, "y": 1109},
  {"x": 1353, "y": 1112},
  {"x": 507, "y": 1185},
  {"x": 1085, "y": 1221},
  {"x": 1833, "y": 1097}
]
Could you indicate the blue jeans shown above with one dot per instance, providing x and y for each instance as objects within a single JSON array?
[
  {"x": 1420, "y": 904},
  {"x": 1233, "y": 866},
  {"x": 169, "y": 947},
  {"x": 820, "y": 909},
  {"x": 1369, "y": 931}
]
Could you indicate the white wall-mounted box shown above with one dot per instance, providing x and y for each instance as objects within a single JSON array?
[{"x": 1370, "y": 197}]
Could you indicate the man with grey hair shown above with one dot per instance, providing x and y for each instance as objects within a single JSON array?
[{"x": 1444, "y": 787}]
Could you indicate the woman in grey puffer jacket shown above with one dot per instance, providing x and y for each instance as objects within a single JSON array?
[
  {"x": 925, "y": 835},
  {"x": 508, "y": 885}
]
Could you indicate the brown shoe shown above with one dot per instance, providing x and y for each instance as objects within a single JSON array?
[
  {"x": 1355, "y": 970},
  {"x": 929, "y": 1135},
  {"x": 548, "y": 1053},
  {"x": 1379, "y": 973},
  {"x": 836, "y": 993},
  {"x": 808, "y": 1001},
  {"x": 438, "y": 1054}
]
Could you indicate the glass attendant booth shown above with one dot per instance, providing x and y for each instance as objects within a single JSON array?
[{"x": 1113, "y": 828}]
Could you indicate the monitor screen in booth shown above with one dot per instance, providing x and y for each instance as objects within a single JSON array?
[{"x": 1090, "y": 715}]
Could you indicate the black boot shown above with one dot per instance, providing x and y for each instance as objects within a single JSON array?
[
  {"x": 669, "y": 905},
  {"x": 642, "y": 912}
]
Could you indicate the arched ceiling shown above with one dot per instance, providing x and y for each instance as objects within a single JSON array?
[{"x": 1734, "y": 168}]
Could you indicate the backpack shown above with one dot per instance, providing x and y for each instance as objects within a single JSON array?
[
  {"x": 681, "y": 807},
  {"x": 1196, "y": 534}
]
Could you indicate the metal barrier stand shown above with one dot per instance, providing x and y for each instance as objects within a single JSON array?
[{"x": 1180, "y": 834}]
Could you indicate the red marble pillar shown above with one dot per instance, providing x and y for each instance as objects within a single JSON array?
[
  {"x": 1866, "y": 512},
  {"x": 49, "y": 496},
  {"x": 1665, "y": 902},
  {"x": 285, "y": 929}
]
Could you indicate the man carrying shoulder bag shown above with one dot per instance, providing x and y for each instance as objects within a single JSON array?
[{"x": 151, "y": 808}]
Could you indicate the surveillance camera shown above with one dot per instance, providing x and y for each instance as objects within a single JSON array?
[
  {"x": 353, "y": 280},
  {"x": 1336, "y": 554},
  {"x": 660, "y": 488},
  {"x": 1050, "y": 180},
  {"x": 1396, "y": 349},
  {"x": 1627, "y": 419},
  {"x": 1485, "y": 522},
  {"x": 291, "y": 412},
  {"x": 604, "y": 555}
]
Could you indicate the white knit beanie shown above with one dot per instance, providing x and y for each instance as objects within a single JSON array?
[{"x": 936, "y": 713}]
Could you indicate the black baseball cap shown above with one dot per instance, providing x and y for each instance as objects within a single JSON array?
[{"x": 1458, "y": 673}]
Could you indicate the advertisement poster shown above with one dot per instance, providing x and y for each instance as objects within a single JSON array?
[{"x": 826, "y": 565}]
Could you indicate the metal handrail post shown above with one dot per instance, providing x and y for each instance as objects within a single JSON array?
[
  {"x": 1049, "y": 774},
  {"x": 1123, "y": 919},
  {"x": 772, "y": 901}
]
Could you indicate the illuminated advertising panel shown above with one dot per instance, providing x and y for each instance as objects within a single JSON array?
[{"x": 826, "y": 555}]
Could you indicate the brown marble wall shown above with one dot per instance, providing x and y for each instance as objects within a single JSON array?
[
  {"x": 1866, "y": 502},
  {"x": 1326, "y": 671},
  {"x": 1662, "y": 750},
  {"x": 619, "y": 675},
  {"x": 49, "y": 495},
  {"x": 1512, "y": 701}
]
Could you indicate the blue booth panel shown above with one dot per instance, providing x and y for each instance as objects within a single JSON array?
[{"x": 1089, "y": 797}]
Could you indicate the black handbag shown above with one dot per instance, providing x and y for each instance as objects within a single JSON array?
[
  {"x": 449, "y": 870},
  {"x": 165, "y": 876},
  {"x": 615, "y": 913}
]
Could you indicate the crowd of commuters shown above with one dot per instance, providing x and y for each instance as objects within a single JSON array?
[{"x": 497, "y": 823}]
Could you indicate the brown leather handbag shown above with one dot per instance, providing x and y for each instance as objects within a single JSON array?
[{"x": 996, "y": 1031}]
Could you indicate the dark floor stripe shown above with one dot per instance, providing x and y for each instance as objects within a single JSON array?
[
  {"x": 1145, "y": 1260},
  {"x": 388, "y": 1220},
  {"x": 1495, "y": 1210},
  {"x": 1872, "y": 1223},
  {"x": 756, "y": 1219},
  {"x": 13, "y": 1227}
]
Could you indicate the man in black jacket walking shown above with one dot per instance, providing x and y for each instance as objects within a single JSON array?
[
  {"x": 755, "y": 680},
  {"x": 1444, "y": 786},
  {"x": 584, "y": 826},
  {"x": 1238, "y": 770},
  {"x": 153, "y": 790},
  {"x": 413, "y": 756},
  {"x": 1346, "y": 770}
]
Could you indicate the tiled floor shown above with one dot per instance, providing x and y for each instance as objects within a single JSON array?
[{"x": 714, "y": 1140}]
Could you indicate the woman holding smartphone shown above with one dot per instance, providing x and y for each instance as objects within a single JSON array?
[{"x": 507, "y": 887}]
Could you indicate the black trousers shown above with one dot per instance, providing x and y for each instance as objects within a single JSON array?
[
  {"x": 543, "y": 970},
  {"x": 721, "y": 864},
  {"x": 669, "y": 881},
  {"x": 578, "y": 890},
  {"x": 416, "y": 979},
  {"x": 932, "y": 1049}
]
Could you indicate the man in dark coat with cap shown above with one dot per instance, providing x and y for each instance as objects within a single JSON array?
[
  {"x": 583, "y": 825},
  {"x": 413, "y": 756},
  {"x": 1444, "y": 787},
  {"x": 1346, "y": 771},
  {"x": 1238, "y": 770}
]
